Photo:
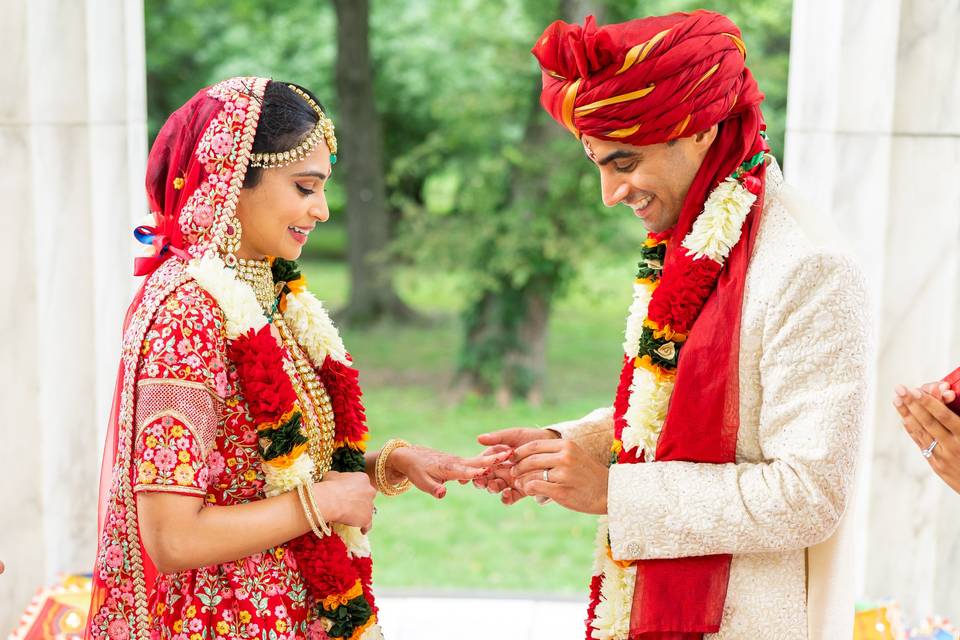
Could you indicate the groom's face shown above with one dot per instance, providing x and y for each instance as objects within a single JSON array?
[{"x": 652, "y": 180}]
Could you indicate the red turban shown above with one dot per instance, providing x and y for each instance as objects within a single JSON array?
[{"x": 647, "y": 82}]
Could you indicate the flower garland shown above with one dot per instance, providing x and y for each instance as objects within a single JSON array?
[
  {"x": 660, "y": 317},
  {"x": 337, "y": 568}
]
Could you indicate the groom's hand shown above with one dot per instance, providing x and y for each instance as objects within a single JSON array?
[
  {"x": 500, "y": 479},
  {"x": 562, "y": 471}
]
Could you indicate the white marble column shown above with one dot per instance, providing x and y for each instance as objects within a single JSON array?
[
  {"x": 873, "y": 140},
  {"x": 72, "y": 127}
]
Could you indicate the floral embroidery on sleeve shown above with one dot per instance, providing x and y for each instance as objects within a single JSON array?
[
  {"x": 169, "y": 458},
  {"x": 186, "y": 342}
]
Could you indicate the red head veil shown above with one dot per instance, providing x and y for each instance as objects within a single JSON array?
[
  {"x": 645, "y": 82},
  {"x": 194, "y": 175}
]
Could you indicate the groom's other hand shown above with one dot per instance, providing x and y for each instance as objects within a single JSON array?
[
  {"x": 562, "y": 471},
  {"x": 500, "y": 479}
]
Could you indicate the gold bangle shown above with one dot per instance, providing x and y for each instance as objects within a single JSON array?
[
  {"x": 321, "y": 522},
  {"x": 306, "y": 510},
  {"x": 383, "y": 486}
]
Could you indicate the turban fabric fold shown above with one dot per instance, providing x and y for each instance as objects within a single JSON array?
[{"x": 644, "y": 82}]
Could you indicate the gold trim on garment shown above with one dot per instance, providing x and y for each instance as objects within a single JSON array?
[{"x": 169, "y": 488}]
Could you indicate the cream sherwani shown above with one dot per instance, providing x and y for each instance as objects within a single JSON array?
[{"x": 780, "y": 508}]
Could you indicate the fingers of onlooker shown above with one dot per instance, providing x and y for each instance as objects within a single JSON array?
[{"x": 932, "y": 415}]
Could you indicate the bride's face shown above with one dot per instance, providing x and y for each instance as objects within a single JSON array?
[{"x": 278, "y": 214}]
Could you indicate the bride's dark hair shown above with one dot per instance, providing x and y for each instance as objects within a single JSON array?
[{"x": 285, "y": 118}]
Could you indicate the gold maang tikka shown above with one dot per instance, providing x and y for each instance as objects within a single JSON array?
[{"x": 322, "y": 131}]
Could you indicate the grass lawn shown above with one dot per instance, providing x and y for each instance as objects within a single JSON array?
[{"x": 469, "y": 540}]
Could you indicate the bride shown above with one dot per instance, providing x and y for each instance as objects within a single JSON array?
[{"x": 237, "y": 490}]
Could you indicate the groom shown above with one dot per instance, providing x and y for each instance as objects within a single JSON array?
[{"x": 723, "y": 470}]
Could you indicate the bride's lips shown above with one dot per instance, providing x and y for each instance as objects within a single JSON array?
[{"x": 299, "y": 238}]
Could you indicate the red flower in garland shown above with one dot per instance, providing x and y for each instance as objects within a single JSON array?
[
  {"x": 595, "y": 584},
  {"x": 265, "y": 384},
  {"x": 680, "y": 297},
  {"x": 326, "y": 568},
  {"x": 343, "y": 387},
  {"x": 364, "y": 567},
  {"x": 622, "y": 399}
]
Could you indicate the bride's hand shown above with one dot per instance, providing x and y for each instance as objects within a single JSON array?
[{"x": 428, "y": 469}]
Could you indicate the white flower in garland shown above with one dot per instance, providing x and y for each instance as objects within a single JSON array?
[
  {"x": 358, "y": 545},
  {"x": 718, "y": 228},
  {"x": 237, "y": 301},
  {"x": 642, "y": 293},
  {"x": 282, "y": 479},
  {"x": 373, "y": 633},
  {"x": 612, "y": 619},
  {"x": 313, "y": 329},
  {"x": 646, "y": 411},
  {"x": 612, "y": 615}
]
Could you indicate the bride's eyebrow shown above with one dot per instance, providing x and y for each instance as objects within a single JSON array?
[{"x": 311, "y": 174}]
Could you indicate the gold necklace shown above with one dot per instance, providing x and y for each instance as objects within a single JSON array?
[
  {"x": 259, "y": 275},
  {"x": 318, "y": 417}
]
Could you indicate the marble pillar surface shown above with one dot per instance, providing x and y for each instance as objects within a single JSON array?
[
  {"x": 873, "y": 140},
  {"x": 72, "y": 126}
]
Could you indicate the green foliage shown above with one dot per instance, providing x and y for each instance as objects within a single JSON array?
[{"x": 457, "y": 90}]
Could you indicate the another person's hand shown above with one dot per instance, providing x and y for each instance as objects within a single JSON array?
[
  {"x": 1, "y": 567},
  {"x": 500, "y": 479},
  {"x": 429, "y": 469},
  {"x": 351, "y": 497},
  {"x": 564, "y": 472},
  {"x": 927, "y": 419}
]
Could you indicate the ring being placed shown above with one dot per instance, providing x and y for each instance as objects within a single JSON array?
[
  {"x": 546, "y": 475},
  {"x": 928, "y": 452}
]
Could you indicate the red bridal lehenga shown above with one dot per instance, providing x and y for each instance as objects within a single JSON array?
[{"x": 182, "y": 424}]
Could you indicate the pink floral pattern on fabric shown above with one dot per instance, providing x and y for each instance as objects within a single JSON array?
[
  {"x": 208, "y": 214},
  {"x": 186, "y": 342},
  {"x": 168, "y": 457}
]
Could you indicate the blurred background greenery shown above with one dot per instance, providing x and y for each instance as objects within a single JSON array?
[{"x": 477, "y": 278}]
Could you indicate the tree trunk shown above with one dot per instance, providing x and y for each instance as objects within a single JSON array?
[
  {"x": 504, "y": 352},
  {"x": 505, "y": 346},
  {"x": 373, "y": 296}
]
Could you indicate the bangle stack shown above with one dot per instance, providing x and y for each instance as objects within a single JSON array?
[
  {"x": 383, "y": 485},
  {"x": 312, "y": 512}
]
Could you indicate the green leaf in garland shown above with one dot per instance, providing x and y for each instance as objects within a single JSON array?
[
  {"x": 346, "y": 618},
  {"x": 283, "y": 439},
  {"x": 651, "y": 262},
  {"x": 346, "y": 460},
  {"x": 285, "y": 271},
  {"x": 664, "y": 353}
]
